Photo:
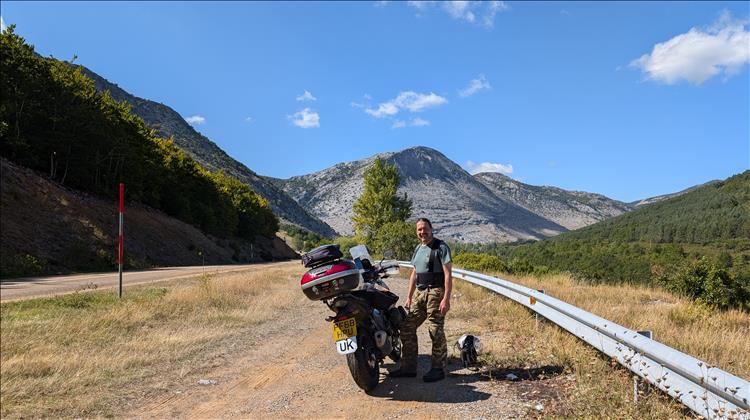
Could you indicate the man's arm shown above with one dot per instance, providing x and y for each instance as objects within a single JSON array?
[
  {"x": 412, "y": 286},
  {"x": 445, "y": 304}
]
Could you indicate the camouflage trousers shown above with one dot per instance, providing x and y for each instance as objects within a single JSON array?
[{"x": 425, "y": 305}]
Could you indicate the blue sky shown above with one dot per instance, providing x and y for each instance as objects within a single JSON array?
[{"x": 625, "y": 99}]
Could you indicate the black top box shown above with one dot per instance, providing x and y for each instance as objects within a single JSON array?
[{"x": 321, "y": 255}]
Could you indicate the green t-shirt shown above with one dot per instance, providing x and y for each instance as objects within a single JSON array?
[{"x": 422, "y": 257}]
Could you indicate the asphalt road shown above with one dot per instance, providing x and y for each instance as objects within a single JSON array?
[{"x": 32, "y": 287}]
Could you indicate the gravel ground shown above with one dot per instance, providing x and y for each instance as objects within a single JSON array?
[{"x": 296, "y": 372}]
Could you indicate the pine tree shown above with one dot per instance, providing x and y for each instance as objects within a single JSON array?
[{"x": 379, "y": 203}]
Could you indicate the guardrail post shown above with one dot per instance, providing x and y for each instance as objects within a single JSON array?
[
  {"x": 636, "y": 379},
  {"x": 536, "y": 314}
]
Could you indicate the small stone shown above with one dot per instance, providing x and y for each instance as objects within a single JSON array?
[
  {"x": 511, "y": 377},
  {"x": 539, "y": 407},
  {"x": 207, "y": 382}
]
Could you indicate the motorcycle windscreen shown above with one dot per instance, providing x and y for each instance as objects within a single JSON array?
[{"x": 361, "y": 253}]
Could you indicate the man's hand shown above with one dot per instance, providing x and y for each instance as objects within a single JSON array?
[
  {"x": 407, "y": 305},
  {"x": 445, "y": 306}
]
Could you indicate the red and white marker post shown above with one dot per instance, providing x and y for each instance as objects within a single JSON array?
[{"x": 119, "y": 239}]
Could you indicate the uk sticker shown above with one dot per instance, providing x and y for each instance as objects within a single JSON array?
[{"x": 347, "y": 345}]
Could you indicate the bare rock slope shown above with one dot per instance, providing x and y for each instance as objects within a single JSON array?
[
  {"x": 572, "y": 209},
  {"x": 461, "y": 208}
]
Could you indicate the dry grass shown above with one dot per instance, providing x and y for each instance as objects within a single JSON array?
[
  {"x": 58, "y": 354},
  {"x": 591, "y": 385}
]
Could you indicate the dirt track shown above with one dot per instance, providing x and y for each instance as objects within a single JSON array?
[
  {"x": 296, "y": 372},
  {"x": 33, "y": 287}
]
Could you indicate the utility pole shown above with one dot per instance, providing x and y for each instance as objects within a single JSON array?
[
  {"x": 119, "y": 239},
  {"x": 203, "y": 261}
]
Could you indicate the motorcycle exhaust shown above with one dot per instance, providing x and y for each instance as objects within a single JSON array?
[{"x": 383, "y": 342}]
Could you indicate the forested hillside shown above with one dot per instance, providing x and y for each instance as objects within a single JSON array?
[
  {"x": 683, "y": 243},
  {"x": 167, "y": 123},
  {"x": 53, "y": 120}
]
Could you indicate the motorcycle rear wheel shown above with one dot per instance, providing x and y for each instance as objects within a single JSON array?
[
  {"x": 396, "y": 352},
  {"x": 364, "y": 365}
]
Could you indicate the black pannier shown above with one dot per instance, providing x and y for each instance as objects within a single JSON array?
[{"x": 321, "y": 255}]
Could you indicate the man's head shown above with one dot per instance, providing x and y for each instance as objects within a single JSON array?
[{"x": 424, "y": 230}]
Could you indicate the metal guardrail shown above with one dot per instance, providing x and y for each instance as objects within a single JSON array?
[{"x": 707, "y": 390}]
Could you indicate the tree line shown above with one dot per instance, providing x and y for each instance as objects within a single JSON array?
[
  {"x": 53, "y": 120},
  {"x": 696, "y": 245}
]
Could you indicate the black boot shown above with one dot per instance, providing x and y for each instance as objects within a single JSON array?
[{"x": 435, "y": 374}]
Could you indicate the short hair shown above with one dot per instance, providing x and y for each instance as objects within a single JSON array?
[{"x": 426, "y": 220}]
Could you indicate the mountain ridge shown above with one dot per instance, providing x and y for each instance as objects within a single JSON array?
[
  {"x": 461, "y": 208},
  {"x": 169, "y": 124},
  {"x": 571, "y": 209},
  {"x": 662, "y": 197}
]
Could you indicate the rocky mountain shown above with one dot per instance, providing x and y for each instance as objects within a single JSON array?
[
  {"x": 658, "y": 198},
  {"x": 460, "y": 207},
  {"x": 168, "y": 123},
  {"x": 571, "y": 209}
]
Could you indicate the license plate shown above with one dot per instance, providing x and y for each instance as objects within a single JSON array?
[
  {"x": 345, "y": 335},
  {"x": 344, "y": 329}
]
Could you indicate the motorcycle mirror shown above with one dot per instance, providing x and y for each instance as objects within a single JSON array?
[{"x": 388, "y": 254}]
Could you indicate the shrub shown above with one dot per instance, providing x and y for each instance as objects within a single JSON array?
[
  {"x": 704, "y": 282},
  {"x": 521, "y": 266},
  {"x": 346, "y": 242},
  {"x": 20, "y": 265},
  {"x": 480, "y": 262},
  {"x": 398, "y": 237}
]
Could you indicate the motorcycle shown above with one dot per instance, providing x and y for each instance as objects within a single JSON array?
[{"x": 366, "y": 319}]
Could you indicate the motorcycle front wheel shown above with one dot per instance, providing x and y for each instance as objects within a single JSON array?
[{"x": 364, "y": 365}]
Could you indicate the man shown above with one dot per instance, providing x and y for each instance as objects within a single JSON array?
[{"x": 431, "y": 277}]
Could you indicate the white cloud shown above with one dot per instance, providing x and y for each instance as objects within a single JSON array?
[
  {"x": 306, "y": 118},
  {"x": 699, "y": 55},
  {"x": 459, "y": 10},
  {"x": 384, "y": 109},
  {"x": 419, "y": 122},
  {"x": 409, "y": 100},
  {"x": 307, "y": 96},
  {"x": 414, "y": 122},
  {"x": 366, "y": 104},
  {"x": 420, "y": 5},
  {"x": 476, "y": 12},
  {"x": 475, "y": 168},
  {"x": 416, "y": 102},
  {"x": 195, "y": 120},
  {"x": 475, "y": 85},
  {"x": 494, "y": 7},
  {"x": 2, "y": 24},
  {"x": 381, "y": 3},
  {"x": 249, "y": 119}
]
